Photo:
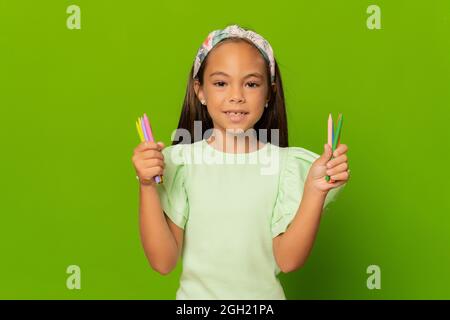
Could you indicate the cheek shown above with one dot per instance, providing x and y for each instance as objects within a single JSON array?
[
  {"x": 215, "y": 96},
  {"x": 256, "y": 114},
  {"x": 216, "y": 103},
  {"x": 256, "y": 99},
  {"x": 258, "y": 94}
]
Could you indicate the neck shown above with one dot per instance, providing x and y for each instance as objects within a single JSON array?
[{"x": 231, "y": 142}]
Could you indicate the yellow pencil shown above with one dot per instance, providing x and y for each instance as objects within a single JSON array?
[{"x": 139, "y": 130}]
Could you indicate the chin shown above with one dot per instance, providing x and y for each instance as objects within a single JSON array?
[{"x": 240, "y": 128}]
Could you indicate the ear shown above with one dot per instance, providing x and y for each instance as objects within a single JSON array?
[{"x": 199, "y": 90}]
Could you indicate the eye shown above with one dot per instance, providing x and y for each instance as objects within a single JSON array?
[
  {"x": 253, "y": 84},
  {"x": 219, "y": 83}
]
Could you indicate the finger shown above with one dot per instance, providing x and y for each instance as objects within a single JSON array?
[
  {"x": 341, "y": 149},
  {"x": 340, "y": 176},
  {"x": 149, "y": 145},
  {"x": 150, "y": 163},
  {"x": 149, "y": 173},
  {"x": 336, "y": 161},
  {"x": 326, "y": 155},
  {"x": 337, "y": 184},
  {"x": 161, "y": 145},
  {"x": 337, "y": 169},
  {"x": 149, "y": 154}
]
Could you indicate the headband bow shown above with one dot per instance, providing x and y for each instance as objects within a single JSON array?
[{"x": 216, "y": 36}]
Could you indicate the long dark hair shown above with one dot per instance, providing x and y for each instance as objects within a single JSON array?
[{"x": 273, "y": 117}]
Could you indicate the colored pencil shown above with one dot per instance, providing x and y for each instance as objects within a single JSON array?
[
  {"x": 145, "y": 134},
  {"x": 141, "y": 120},
  {"x": 336, "y": 139},
  {"x": 338, "y": 132},
  {"x": 330, "y": 131}
]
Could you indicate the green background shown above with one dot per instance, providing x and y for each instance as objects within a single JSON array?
[{"x": 69, "y": 100}]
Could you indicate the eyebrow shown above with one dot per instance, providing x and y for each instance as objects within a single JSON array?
[{"x": 253, "y": 74}]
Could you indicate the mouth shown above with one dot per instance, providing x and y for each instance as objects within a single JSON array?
[{"x": 236, "y": 116}]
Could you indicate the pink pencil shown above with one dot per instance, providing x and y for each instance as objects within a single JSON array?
[
  {"x": 144, "y": 131},
  {"x": 148, "y": 128},
  {"x": 330, "y": 136},
  {"x": 330, "y": 131}
]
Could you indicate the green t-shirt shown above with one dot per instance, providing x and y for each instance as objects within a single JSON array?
[{"x": 231, "y": 206}]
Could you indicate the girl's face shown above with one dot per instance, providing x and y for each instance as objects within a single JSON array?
[{"x": 235, "y": 80}]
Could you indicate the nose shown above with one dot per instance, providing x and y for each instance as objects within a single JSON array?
[{"x": 237, "y": 96}]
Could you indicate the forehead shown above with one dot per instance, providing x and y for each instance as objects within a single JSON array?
[{"x": 235, "y": 58}]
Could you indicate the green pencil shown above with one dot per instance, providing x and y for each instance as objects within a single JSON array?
[{"x": 336, "y": 138}]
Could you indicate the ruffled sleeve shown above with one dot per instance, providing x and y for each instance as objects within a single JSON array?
[
  {"x": 172, "y": 192},
  {"x": 295, "y": 167}
]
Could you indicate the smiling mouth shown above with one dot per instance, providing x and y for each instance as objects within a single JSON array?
[
  {"x": 235, "y": 113},
  {"x": 236, "y": 116}
]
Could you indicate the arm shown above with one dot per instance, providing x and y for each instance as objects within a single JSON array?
[
  {"x": 161, "y": 239},
  {"x": 292, "y": 248}
]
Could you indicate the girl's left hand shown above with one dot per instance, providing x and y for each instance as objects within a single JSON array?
[{"x": 336, "y": 168}]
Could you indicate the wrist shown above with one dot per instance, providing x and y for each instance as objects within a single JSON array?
[
  {"x": 313, "y": 191},
  {"x": 146, "y": 183}
]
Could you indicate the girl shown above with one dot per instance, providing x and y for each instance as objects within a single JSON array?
[{"x": 234, "y": 225}]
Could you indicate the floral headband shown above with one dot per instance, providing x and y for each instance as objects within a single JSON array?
[{"x": 235, "y": 31}]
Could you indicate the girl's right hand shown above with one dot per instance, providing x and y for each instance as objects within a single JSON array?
[{"x": 148, "y": 161}]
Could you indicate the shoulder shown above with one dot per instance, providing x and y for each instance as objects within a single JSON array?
[
  {"x": 295, "y": 163},
  {"x": 182, "y": 154},
  {"x": 176, "y": 154},
  {"x": 298, "y": 155}
]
